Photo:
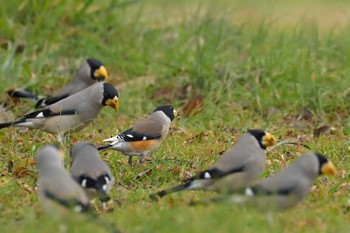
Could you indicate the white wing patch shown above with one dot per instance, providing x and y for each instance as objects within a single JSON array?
[
  {"x": 40, "y": 115},
  {"x": 207, "y": 175},
  {"x": 104, "y": 187},
  {"x": 130, "y": 136},
  {"x": 116, "y": 139},
  {"x": 249, "y": 192},
  {"x": 107, "y": 179},
  {"x": 83, "y": 183},
  {"x": 78, "y": 208}
]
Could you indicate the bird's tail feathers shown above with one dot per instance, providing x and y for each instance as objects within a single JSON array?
[
  {"x": 21, "y": 94},
  {"x": 114, "y": 139},
  {"x": 8, "y": 124},
  {"x": 104, "y": 147},
  {"x": 160, "y": 194}
]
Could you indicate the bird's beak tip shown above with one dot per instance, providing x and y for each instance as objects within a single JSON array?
[{"x": 329, "y": 169}]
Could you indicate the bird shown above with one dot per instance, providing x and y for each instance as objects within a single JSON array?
[
  {"x": 73, "y": 112},
  {"x": 236, "y": 168},
  {"x": 57, "y": 190},
  {"x": 90, "y": 171},
  {"x": 89, "y": 72},
  {"x": 286, "y": 188},
  {"x": 145, "y": 135}
]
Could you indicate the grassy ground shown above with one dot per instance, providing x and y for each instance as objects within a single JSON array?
[{"x": 283, "y": 67}]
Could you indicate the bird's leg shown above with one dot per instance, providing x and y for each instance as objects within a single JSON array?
[
  {"x": 130, "y": 161},
  {"x": 142, "y": 159}
]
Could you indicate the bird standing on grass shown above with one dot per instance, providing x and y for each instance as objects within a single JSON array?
[
  {"x": 74, "y": 112},
  {"x": 236, "y": 169},
  {"x": 145, "y": 136},
  {"x": 90, "y": 171},
  {"x": 90, "y": 72},
  {"x": 286, "y": 188},
  {"x": 57, "y": 189}
]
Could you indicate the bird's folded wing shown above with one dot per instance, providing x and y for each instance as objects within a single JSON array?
[
  {"x": 50, "y": 100},
  {"x": 259, "y": 190},
  {"x": 131, "y": 135},
  {"x": 213, "y": 173},
  {"x": 47, "y": 113},
  {"x": 69, "y": 203}
]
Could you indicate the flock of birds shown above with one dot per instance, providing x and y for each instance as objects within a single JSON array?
[{"x": 235, "y": 175}]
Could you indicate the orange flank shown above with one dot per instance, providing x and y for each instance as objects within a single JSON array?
[{"x": 145, "y": 145}]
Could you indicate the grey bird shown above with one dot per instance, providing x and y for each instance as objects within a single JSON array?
[
  {"x": 73, "y": 112},
  {"x": 90, "y": 171},
  {"x": 90, "y": 72},
  {"x": 58, "y": 191},
  {"x": 286, "y": 188},
  {"x": 145, "y": 135},
  {"x": 237, "y": 168}
]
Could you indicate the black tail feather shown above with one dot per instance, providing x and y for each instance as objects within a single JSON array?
[
  {"x": 104, "y": 147},
  {"x": 160, "y": 194},
  {"x": 9, "y": 124},
  {"x": 21, "y": 94}
]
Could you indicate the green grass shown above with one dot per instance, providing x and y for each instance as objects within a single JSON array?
[{"x": 253, "y": 68}]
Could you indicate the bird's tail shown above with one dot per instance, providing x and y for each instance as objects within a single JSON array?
[
  {"x": 104, "y": 147},
  {"x": 21, "y": 94},
  {"x": 160, "y": 194},
  {"x": 8, "y": 124}
]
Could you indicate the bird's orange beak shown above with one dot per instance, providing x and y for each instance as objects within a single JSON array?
[
  {"x": 101, "y": 74},
  {"x": 113, "y": 103}
]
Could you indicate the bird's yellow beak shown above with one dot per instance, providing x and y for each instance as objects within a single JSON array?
[
  {"x": 269, "y": 140},
  {"x": 328, "y": 168},
  {"x": 101, "y": 74},
  {"x": 176, "y": 113},
  {"x": 113, "y": 103}
]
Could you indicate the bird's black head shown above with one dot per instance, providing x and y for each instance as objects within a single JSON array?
[
  {"x": 264, "y": 139},
  {"x": 110, "y": 96},
  {"x": 325, "y": 165},
  {"x": 97, "y": 70},
  {"x": 168, "y": 110}
]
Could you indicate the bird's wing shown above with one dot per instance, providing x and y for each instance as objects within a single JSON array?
[
  {"x": 47, "y": 113},
  {"x": 50, "y": 100},
  {"x": 213, "y": 173}
]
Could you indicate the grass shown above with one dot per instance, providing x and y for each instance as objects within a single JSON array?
[{"x": 249, "y": 67}]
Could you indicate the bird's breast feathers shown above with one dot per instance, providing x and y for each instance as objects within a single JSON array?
[{"x": 146, "y": 145}]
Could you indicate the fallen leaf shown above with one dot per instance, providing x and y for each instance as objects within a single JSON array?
[
  {"x": 194, "y": 106},
  {"x": 326, "y": 129},
  {"x": 31, "y": 161},
  {"x": 175, "y": 170},
  {"x": 21, "y": 172}
]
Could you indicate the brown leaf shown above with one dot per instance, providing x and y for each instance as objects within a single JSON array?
[
  {"x": 161, "y": 168},
  {"x": 31, "y": 161},
  {"x": 21, "y": 172},
  {"x": 326, "y": 129},
  {"x": 175, "y": 170},
  {"x": 194, "y": 106}
]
